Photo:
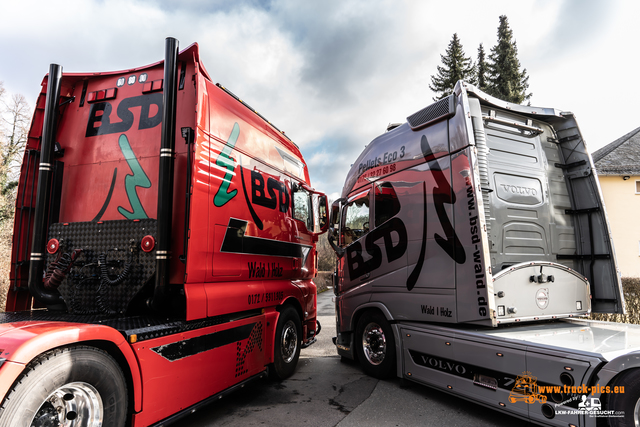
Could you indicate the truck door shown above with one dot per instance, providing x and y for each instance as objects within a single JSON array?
[
  {"x": 354, "y": 225},
  {"x": 374, "y": 235}
]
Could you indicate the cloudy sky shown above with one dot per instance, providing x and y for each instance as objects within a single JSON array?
[{"x": 333, "y": 74}]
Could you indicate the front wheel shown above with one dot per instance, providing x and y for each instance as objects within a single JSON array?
[
  {"x": 375, "y": 345},
  {"x": 627, "y": 402},
  {"x": 286, "y": 348},
  {"x": 70, "y": 387}
]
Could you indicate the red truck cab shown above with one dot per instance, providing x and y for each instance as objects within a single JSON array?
[{"x": 164, "y": 239}]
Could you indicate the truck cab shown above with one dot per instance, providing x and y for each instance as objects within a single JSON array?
[
  {"x": 164, "y": 239},
  {"x": 475, "y": 211},
  {"x": 469, "y": 240}
]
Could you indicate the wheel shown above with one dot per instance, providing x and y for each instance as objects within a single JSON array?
[
  {"x": 375, "y": 345},
  {"x": 286, "y": 348},
  {"x": 70, "y": 387},
  {"x": 629, "y": 401}
]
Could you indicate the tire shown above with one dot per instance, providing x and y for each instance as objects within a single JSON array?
[
  {"x": 287, "y": 344},
  {"x": 629, "y": 401},
  {"x": 84, "y": 383},
  {"x": 375, "y": 345}
]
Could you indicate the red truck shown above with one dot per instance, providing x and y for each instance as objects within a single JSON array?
[{"x": 164, "y": 249}]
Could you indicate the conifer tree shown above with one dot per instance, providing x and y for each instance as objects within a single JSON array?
[
  {"x": 506, "y": 81},
  {"x": 481, "y": 69},
  {"x": 455, "y": 66}
]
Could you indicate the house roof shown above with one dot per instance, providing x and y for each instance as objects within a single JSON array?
[{"x": 621, "y": 157}]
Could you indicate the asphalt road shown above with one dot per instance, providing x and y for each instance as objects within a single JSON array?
[{"x": 326, "y": 391}]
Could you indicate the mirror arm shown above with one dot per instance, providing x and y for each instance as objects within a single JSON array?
[{"x": 337, "y": 249}]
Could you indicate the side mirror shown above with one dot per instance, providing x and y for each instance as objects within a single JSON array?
[
  {"x": 310, "y": 207},
  {"x": 322, "y": 213},
  {"x": 334, "y": 221}
]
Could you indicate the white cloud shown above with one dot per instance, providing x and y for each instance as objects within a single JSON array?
[{"x": 334, "y": 74}]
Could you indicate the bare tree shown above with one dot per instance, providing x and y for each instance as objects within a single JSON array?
[
  {"x": 3, "y": 130},
  {"x": 16, "y": 117},
  {"x": 14, "y": 127},
  {"x": 326, "y": 255}
]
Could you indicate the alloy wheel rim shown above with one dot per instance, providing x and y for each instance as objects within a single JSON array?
[
  {"x": 289, "y": 341},
  {"x": 76, "y": 404},
  {"x": 374, "y": 343}
]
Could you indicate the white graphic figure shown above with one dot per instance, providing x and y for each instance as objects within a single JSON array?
[
  {"x": 592, "y": 405},
  {"x": 584, "y": 404}
]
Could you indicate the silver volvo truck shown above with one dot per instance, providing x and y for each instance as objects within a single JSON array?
[{"x": 471, "y": 240}]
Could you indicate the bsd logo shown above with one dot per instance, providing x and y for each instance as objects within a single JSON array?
[
  {"x": 267, "y": 197},
  {"x": 356, "y": 263},
  {"x": 100, "y": 124}
]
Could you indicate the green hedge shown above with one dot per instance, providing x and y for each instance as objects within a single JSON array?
[{"x": 631, "y": 289}]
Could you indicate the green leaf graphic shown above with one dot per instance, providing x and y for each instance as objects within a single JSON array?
[
  {"x": 224, "y": 160},
  {"x": 138, "y": 179}
]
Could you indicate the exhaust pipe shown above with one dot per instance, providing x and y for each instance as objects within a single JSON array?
[
  {"x": 165, "y": 179},
  {"x": 51, "y": 298}
]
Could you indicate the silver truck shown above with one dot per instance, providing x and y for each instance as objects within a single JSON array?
[{"x": 471, "y": 240}]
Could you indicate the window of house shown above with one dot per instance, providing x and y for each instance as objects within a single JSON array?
[{"x": 637, "y": 187}]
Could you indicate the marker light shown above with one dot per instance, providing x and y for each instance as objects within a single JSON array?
[
  {"x": 52, "y": 246},
  {"x": 153, "y": 86},
  {"x": 103, "y": 94},
  {"x": 148, "y": 243}
]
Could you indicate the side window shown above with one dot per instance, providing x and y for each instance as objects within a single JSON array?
[
  {"x": 302, "y": 206},
  {"x": 386, "y": 203},
  {"x": 356, "y": 218}
]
